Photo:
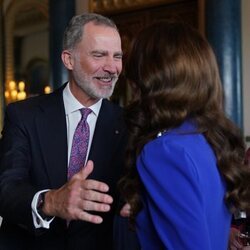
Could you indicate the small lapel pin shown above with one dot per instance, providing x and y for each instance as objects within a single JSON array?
[{"x": 159, "y": 134}]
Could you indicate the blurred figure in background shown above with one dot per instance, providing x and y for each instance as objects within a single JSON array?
[{"x": 240, "y": 229}]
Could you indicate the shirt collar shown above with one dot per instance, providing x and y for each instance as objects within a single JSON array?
[{"x": 71, "y": 104}]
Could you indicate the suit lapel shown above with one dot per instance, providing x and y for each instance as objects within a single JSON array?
[
  {"x": 52, "y": 132},
  {"x": 104, "y": 141},
  {"x": 51, "y": 125}
]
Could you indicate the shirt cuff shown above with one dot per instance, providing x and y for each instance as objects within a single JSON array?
[{"x": 38, "y": 221}]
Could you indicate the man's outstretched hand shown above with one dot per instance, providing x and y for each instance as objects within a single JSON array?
[{"x": 79, "y": 196}]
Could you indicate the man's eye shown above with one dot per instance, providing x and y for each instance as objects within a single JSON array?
[
  {"x": 97, "y": 55},
  {"x": 118, "y": 57}
]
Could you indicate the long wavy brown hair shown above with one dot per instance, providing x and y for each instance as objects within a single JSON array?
[{"x": 175, "y": 77}]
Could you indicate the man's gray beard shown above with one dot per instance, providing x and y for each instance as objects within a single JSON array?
[{"x": 93, "y": 93}]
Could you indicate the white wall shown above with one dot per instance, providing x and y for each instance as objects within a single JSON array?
[{"x": 246, "y": 65}]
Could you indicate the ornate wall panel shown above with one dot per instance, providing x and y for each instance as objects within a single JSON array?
[{"x": 111, "y": 6}]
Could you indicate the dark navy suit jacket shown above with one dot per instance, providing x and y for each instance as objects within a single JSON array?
[{"x": 34, "y": 157}]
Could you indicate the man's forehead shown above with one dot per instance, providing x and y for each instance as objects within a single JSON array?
[
  {"x": 93, "y": 29},
  {"x": 102, "y": 38}
]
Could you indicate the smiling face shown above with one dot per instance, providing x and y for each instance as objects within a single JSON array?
[{"x": 95, "y": 63}]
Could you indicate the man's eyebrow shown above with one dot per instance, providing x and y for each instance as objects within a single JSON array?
[
  {"x": 99, "y": 52},
  {"x": 120, "y": 53},
  {"x": 104, "y": 52}
]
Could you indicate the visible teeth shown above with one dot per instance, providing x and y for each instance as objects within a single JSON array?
[{"x": 105, "y": 79}]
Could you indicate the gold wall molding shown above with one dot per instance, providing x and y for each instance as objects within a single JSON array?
[{"x": 111, "y": 6}]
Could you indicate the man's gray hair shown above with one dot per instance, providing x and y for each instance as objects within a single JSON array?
[{"x": 74, "y": 31}]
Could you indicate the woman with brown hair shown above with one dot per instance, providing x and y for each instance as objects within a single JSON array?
[{"x": 185, "y": 171}]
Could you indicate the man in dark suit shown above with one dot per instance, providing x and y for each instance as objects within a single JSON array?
[{"x": 41, "y": 207}]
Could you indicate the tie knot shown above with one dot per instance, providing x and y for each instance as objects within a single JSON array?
[{"x": 85, "y": 112}]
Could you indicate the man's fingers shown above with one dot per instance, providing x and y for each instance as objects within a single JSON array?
[
  {"x": 95, "y": 206},
  {"x": 85, "y": 195},
  {"x": 125, "y": 211},
  {"x": 95, "y": 185},
  {"x": 87, "y": 169},
  {"x": 90, "y": 217},
  {"x": 92, "y": 195},
  {"x": 91, "y": 184}
]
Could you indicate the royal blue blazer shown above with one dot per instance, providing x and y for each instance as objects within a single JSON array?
[{"x": 183, "y": 194}]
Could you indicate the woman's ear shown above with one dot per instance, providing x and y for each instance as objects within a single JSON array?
[{"x": 67, "y": 59}]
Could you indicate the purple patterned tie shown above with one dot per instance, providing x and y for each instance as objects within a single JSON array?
[{"x": 79, "y": 144}]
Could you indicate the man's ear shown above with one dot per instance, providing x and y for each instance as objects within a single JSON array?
[{"x": 67, "y": 59}]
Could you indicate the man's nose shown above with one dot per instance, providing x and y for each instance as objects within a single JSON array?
[{"x": 111, "y": 66}]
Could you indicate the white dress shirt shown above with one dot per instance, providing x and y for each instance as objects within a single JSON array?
[{"x": 73, "y": 115}]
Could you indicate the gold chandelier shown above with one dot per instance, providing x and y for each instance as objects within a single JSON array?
[{"x": 16, "y": 91}]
